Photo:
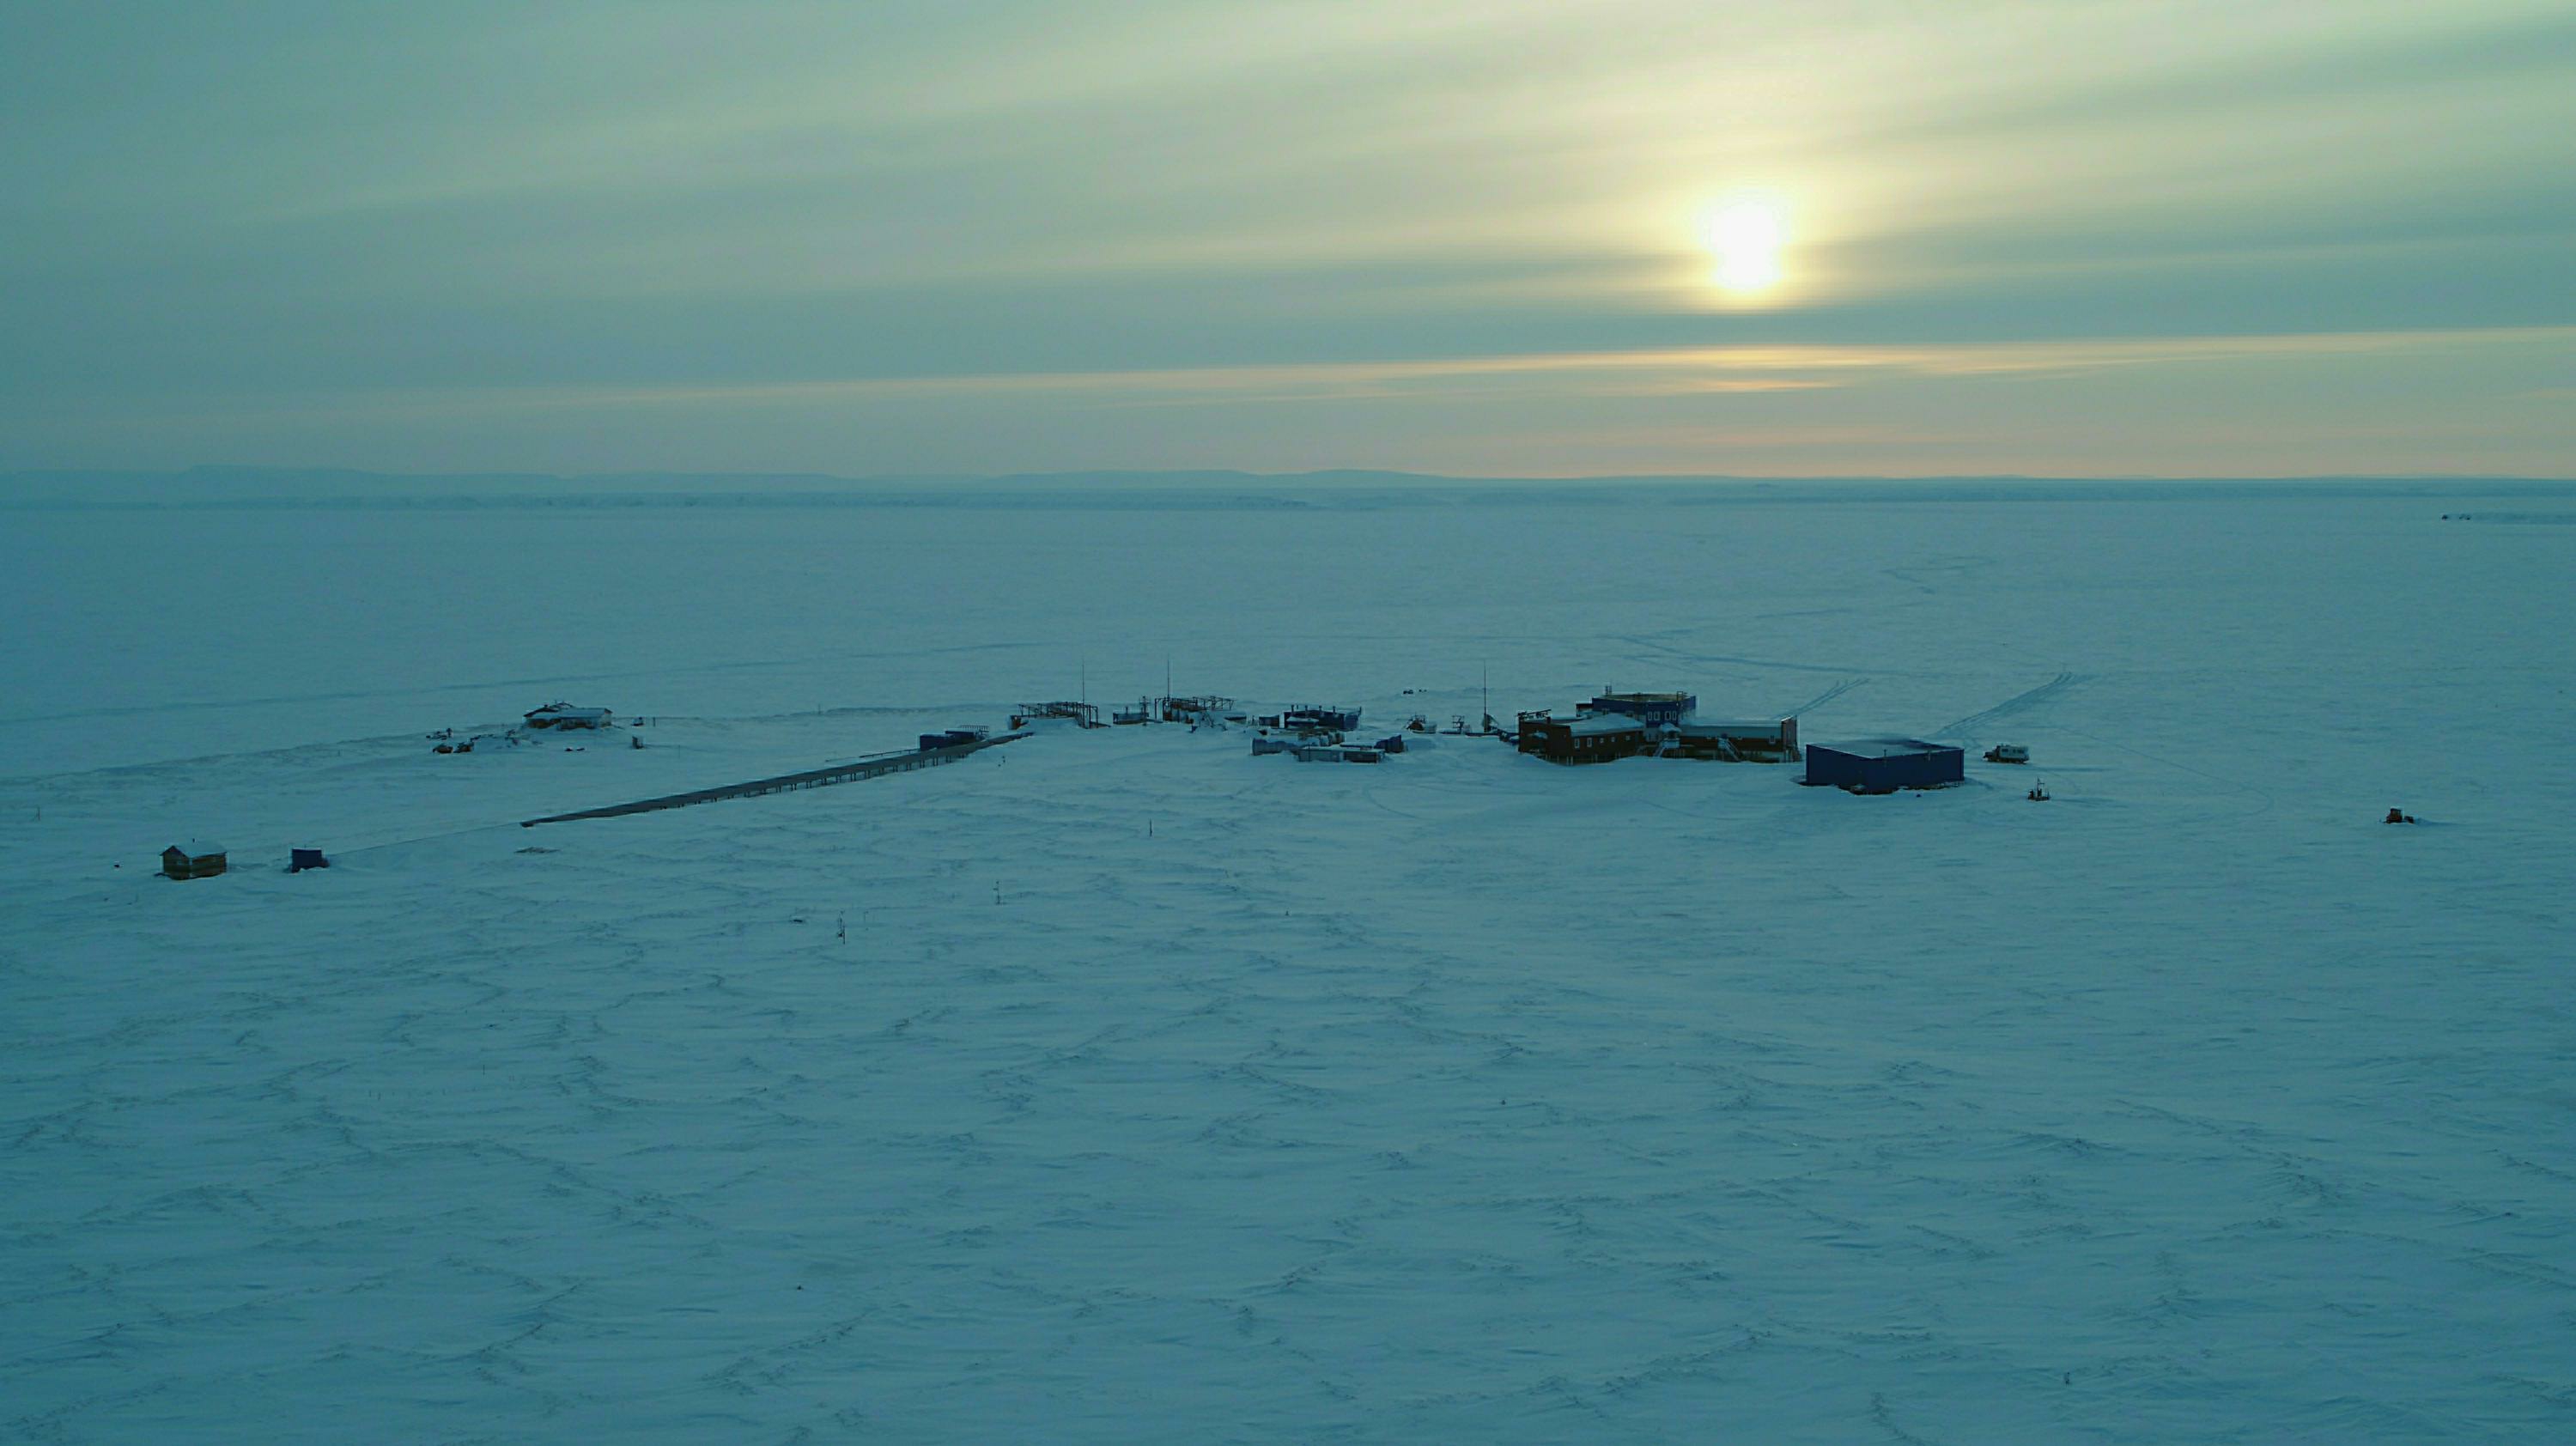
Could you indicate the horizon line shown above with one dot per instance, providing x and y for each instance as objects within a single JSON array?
[{"x": 248, "y": 471}]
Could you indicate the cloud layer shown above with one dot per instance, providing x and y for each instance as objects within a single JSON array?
[{"x": 2170, "y": 238}]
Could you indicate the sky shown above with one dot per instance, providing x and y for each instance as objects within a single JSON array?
[{"x": 1845, "y": 237}]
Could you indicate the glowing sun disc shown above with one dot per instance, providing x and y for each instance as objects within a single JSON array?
[{"x": 1746, "y": 237}]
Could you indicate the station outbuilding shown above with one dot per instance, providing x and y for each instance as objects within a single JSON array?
[
  {"x": 195, "y": 859},
  {"x": 1883, "y": 765},
  {"x": 1083, "y": 715},
  {"x": 1644, "y": 707},
  {"x": 1749, "y": 742},
  {"x": 565, "y": 715},
  {"x": 1319, "y": 718},
  {"x": 1591, "y": 738}
]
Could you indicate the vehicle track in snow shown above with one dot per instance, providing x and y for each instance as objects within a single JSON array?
[
  {"x": 2252, "y": 790},
  {"x": 1948, "y": 570},
  {"x": 1654, "y": 642},
  {"x": 1827, "y": 696},
  {"x": 2013, "y": 706}
]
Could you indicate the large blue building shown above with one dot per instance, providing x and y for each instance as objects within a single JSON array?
[{"x": 1883, "y": 765}]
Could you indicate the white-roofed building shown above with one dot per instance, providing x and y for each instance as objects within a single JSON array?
[{"x": 565, "y": 715}]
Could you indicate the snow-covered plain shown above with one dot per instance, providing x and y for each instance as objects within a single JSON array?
[{"x": 1159, "y": 1092}]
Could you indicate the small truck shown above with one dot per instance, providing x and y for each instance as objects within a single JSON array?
[{"x": 2008, "y": 753}]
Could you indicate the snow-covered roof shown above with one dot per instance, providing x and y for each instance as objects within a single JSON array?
[
  {"x": 197, "y": 848},
  {"x": 1593, "y": 723},
  {"x": 1885, "y": 747},
  {"x": 1739, "y": 725}
]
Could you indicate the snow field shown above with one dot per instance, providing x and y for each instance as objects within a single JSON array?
[{"x": 1459, "y": 1097}]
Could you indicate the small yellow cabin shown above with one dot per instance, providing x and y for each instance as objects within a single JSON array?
[{"x": 194, "y": 859}]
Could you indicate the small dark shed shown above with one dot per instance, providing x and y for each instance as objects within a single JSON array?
[
  {"x": 1883, "y": 765},
  {"x": 195, "y": 859},
  {"x": 298, "y": 860}
]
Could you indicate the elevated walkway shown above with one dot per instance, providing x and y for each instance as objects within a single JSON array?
[{"x": 876, "y": 766}]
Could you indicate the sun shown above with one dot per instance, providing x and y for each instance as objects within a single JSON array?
[{"x": 1745, "y": 236}]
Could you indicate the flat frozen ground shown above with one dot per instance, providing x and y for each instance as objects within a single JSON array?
[{"x": 1162, "y": 1092}]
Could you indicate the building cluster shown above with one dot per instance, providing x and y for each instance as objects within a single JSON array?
[
  {"x": 1653, "y": 725},
  {"x": 1319, "y": 733},
  {"x": 1667, "y": 725},
  {"x": 200, "y": 859},
  {"x": 1610, "y": 726},
  {"x": 556, "y": 717}
]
